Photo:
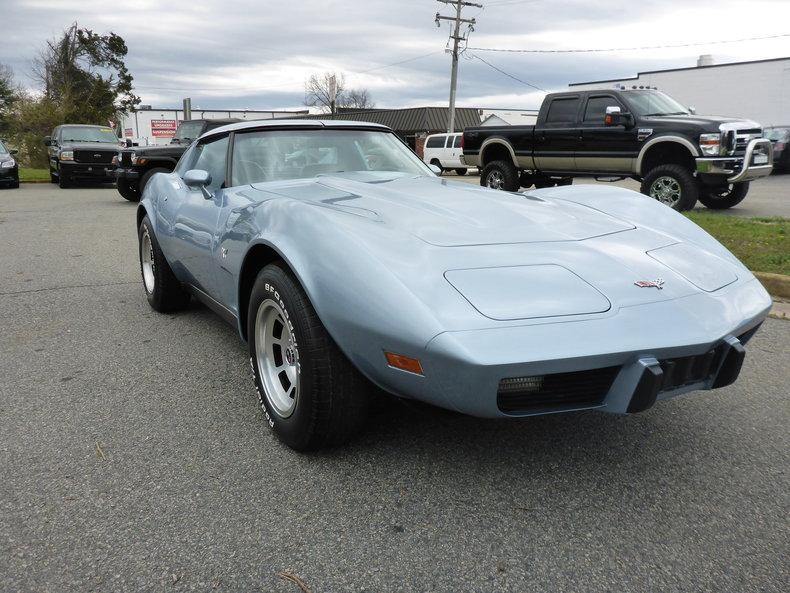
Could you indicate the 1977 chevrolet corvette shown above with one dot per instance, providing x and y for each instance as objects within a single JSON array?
[{"x": 344, "y": 261}]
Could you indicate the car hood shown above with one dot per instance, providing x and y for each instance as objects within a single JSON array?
[
  {"x": 454, "y": 214},
  {"x": 703, "y": 121},
  {"x": 167, "y": 150},
  {"x": 90, "y": 146}
]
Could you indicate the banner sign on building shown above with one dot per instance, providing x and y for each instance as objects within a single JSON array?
[
  {"x": 128, "y": 132},
  {"x": 163, "y": 127}
]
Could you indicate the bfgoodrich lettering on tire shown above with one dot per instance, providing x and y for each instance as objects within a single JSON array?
[{"x": 310, "y": 392}]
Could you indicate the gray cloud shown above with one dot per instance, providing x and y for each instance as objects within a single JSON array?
[{"x": 257, "y": 54}]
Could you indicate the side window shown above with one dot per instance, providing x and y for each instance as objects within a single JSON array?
[
  {"x": 457, "y": 142},
  {"x": 210, "y": 156},
  {"x": 563, "y": 111},
  {"x": 596, "y": 108},
  {"x": 435, "y": 142}
]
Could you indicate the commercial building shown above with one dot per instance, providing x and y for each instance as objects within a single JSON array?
[
  {"x": 149, "y": 126},
  {"x": 757, "y": 90}
]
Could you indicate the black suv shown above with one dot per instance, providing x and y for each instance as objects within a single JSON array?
[
  {"x": 80, "y": 152},
  {"x": 135, "y": 166},
  {"x": 679, "y": 157}
]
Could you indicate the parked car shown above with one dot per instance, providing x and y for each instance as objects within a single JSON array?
[
  {"x": 780, "y": 140},
  {"x": 678, "y": 157},
  {"x": 79, "y": 152},
  {"x": 134, "y": 166},
  {"x": 355, "y": 271},
  {"x": 9, "y": 167},
  {"x": 444, "y": 151}
]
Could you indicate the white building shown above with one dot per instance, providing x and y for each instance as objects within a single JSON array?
[
  {"x": 505, "y": 117},
  {"x": 757, "y": 90},
  {"x": 148, "y": 126}
]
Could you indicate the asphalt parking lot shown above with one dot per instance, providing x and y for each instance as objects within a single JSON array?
[
  {"x": 134, "y": 457},
  {"x": 769, "y": 196}
]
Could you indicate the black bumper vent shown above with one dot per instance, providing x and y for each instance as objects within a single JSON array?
[
  {"x": 686, "y": 370},
  {"x": 556, "y": 391}
]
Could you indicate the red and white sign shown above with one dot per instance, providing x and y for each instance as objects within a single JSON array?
[
  {"x": 163, "y": 127},
  {"x": 128, "y": 132}
]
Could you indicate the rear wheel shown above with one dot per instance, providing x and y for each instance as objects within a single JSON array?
[
  {"x": 163, "y": 290},
  {"x": 500, "y": 175},
  {"x": 673, "y": 185},
  {"x": 147, "y": 177},
  {"x": 128, "y": 190},
  {"x": 721, "y": 198},
  {"x": 311, "y": 394},
  {"x": 460, "y": 171}
]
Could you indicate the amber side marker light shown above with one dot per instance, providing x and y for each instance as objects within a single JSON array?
[{"x": 403, "y": 363}]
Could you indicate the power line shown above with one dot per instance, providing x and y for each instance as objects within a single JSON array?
[
  {"x": 508, "y": 74},
  {"x": 576, "y": 51}
]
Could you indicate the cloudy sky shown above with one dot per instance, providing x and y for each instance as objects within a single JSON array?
[{"x": 257, "y": 54}]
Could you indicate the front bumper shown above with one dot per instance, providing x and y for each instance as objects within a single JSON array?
[
  {"x": 740, "y": 169},
  {"x": 98, "y": 172},
  {"x": 654, "y": 351},
  {"x": 127, "y": 174},
  {"x": 9, "y": 176}
]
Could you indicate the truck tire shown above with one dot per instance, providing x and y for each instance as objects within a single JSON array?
[
  {"x": 311, "y": 394},
  {"x": 460, "y": 171},
  {"x": 128, "y": 190},
  {"x": 500, "y": 175},
  {"x": 63, "y": 180},
  {"x": 721, "y": 198},
  {"x": 147, "y": 177},
  {"x": 673, "y": 185}
]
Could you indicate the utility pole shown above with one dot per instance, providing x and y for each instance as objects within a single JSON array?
[{"x": 456, "y": 37}]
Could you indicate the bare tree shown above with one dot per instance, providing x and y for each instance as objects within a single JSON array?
[{"x": 318, "y": 93}]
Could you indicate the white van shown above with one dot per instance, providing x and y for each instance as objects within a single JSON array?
[{"x": 444, "y": 151}]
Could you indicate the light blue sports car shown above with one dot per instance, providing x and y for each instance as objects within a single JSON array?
[{"x": 345, "y": 262}]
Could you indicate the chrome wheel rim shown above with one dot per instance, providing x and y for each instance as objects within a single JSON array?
[
  {"x": 147, "y": 261},
  {"x": 666, "y": 190},
  {"x": 278, "y": 358},
  {"x": 495, "y": 180}
]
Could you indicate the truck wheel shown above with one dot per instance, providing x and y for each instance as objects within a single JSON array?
[
  {"x": 460, "y": 171},
  {"x": 500, "y": 175},
  {"x": 163, "y": 290},
  {"x": 721, "y": 198},
  {"x": 147, "y": 177},
  {"x": 63, "y": 180},
  {"x": 673, "y": 185},
  {"x": 438, "y": 163},
  {"x": 312, "y": 395},
  {"x": 128, "y": 190}
]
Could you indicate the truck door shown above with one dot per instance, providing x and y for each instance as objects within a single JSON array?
[
  {"x": 605, "y": 148},
  {"x": 557, "y": 137}
]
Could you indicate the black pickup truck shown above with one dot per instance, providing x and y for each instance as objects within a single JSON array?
[
  {"x": 135, "y": 166},
  {"x": 644, "y": 134}
]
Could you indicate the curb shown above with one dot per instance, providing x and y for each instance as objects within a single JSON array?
[{"x": 777, "y": 285}]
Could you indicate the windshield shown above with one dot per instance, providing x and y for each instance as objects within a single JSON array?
[
  {"x": 187, "y": 131},
  {"x": 781, "y": 134},
  {"x": 646, "y": 103},
  {"x": 88, "y": 134},
  {"x": 300, "y": 154},
  {"x": 3, "y": 149}
]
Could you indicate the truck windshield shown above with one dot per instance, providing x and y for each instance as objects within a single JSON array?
[
  {"x": 88, "y": 134},
  {"x": 187, "y": 131},
  {"x": 648, "y": 103},
  {"x": 279, "y": 155}
]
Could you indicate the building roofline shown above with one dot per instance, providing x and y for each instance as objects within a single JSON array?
[
  {"x": 638, "y": 74},
  {"x": 221, "y": 110}
]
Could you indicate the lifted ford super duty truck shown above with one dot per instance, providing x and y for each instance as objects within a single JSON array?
[{"x": 678, "y": 157}]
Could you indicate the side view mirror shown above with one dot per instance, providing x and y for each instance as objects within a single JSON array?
[
  {"x": 435, "y": 169},
  {"x": 692, "y": 110},
  {"x": 198, "y": 179},
  {"x": 615, "y": 117},
  {"x": 13, "y": 151},
  {"x": 47, "y": 140}
]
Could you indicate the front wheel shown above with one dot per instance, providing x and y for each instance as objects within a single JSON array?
[
  {"x": 128, "y": 190},
  {"x": 500, "y": 175},
  {"x": 721, "y": 198},
  {"x": 63, "y": 180},
  {"x": 460, "y": 171},
  {"x": 673, "y": 185},
  {"x": 162, "y": 289},
  {"x": 311, "y": 394}
]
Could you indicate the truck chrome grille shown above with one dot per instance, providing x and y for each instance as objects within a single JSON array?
[{"x": 577, "y": 389}]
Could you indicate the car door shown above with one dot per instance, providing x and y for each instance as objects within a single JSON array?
[
  {"x": 605, "y": 148},
  {"x": 196, "y": 213},
  {"x": 455, "y": 151},
  {"x": 558, "y": 137}
]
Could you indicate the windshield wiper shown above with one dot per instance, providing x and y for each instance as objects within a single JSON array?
[{"x": 668, "y": 113}]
